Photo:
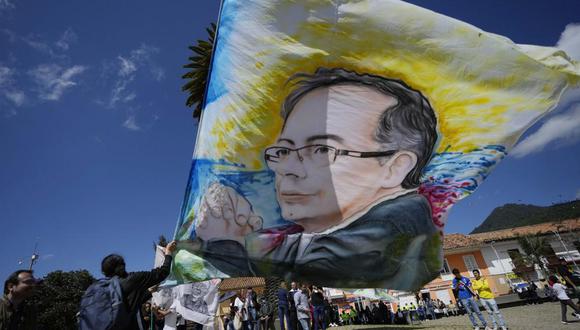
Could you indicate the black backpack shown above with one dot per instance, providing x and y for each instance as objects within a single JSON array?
[{"x": 102, "y": 306}]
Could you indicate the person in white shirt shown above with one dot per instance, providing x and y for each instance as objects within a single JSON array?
[
  {"x": 302, "y": 307},
  {"x": 565, "y": 301},
  {"x": 251, "y": 306},
  {"x": 240, "y": 303}
]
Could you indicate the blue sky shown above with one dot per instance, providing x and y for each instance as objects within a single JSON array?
[{"x": 96, "y": 143}]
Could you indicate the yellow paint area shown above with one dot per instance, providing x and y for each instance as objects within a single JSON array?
[{"x": 483, "y": 89}]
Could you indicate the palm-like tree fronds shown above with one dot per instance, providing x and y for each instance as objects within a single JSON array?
[
  {"x": 535, "y": 248},
  {"x": 199, "y": 69}
]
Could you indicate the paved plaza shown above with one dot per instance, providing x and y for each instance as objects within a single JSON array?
[{"x": 544, "y": 316}]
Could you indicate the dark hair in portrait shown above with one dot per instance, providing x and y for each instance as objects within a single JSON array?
[{"x": 408, "y": 125}]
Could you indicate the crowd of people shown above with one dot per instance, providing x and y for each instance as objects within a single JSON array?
[
  {"x": 302, "y": 307},
  {"x": 305, "y": 307}
]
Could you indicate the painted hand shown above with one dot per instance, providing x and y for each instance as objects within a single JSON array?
[{"x": 225, "y": 214}]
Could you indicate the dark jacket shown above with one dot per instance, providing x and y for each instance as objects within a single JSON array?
[
  {"x": 22, "y": 318},
  {"x": 317, "y": 299},
  {"x": 394, "y": 245},
  {"x": 266, "y": 309},
  {"x": 282, "y": 297},
  {"x": 134, "y": 288}
]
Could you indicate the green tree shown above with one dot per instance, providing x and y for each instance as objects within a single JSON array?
[
  {"x": 536, "y": 248},
  {"x": 57, "y": 300},
  {"x": 199, "y": 65}
]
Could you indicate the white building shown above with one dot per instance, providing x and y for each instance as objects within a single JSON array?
[{"x": 496, "y": 253}]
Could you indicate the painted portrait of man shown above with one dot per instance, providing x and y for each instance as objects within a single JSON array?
[{"x": 347, "y": 163}]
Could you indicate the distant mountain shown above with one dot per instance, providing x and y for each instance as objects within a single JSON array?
[{"x": 518, "y": 215}]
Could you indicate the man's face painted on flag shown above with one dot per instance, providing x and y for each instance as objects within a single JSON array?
[{"x": 315, "y": 187}]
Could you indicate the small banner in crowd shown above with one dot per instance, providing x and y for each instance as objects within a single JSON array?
[
  {"x": 336, "y": 136},
  {"x": 197, "y": 302}
]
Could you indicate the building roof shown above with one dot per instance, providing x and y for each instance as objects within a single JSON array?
[
  {"x": 238, "y": 283},
  {"x": 456, "y": 241}
]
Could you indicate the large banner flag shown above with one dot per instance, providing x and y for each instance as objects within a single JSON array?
[{"x": 336, "y": 136}]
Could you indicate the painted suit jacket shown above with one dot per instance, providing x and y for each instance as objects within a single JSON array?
[{"x": 393, "y": 245}]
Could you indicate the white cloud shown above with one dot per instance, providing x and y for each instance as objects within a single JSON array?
[
  {"x": 6, "y": 74},
  {"x": 53, "y": 80},
  {"x": 144, "y": 52},
  {"x": 67, "y": 38},
  {"x": 129, "y": 97},
  {"x": 158, "y": 73},
  {"x": 6, "y": 5},
  {"x": 47, "y": 256},
  {"x": 144, "y": 56},
  {"x": 131, "y": 123},
  {"x": 36, "y": 43},
  {"x": 570, "y": 40},
  {"x": 127, "y": 68},
  {"x": 55, "y": 49},
  {"x": 8, "y": 88},
  {"x": 17, "y": 97},
  {"x": 118, "y": 93},
  {"x": 139, "y": 58},
  {"x": 9, "y": 112},
  {"x": 563, "y": 128}
]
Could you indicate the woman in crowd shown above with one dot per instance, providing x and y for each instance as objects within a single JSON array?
[{"x": 565, "y": 301}]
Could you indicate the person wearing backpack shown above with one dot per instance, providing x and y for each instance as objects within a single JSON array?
[{"x": 115, "y": 301}]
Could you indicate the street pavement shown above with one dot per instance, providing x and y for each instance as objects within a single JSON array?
[{"x": 543, "y": 316}]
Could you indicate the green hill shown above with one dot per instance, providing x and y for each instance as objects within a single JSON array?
[{"x": 518, "y": 215}]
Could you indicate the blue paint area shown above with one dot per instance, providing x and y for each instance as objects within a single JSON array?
[
  {"x": 222, "y": 60},
  {"x": 470, "y": 169},
  {"x": 256, "y": 186}
]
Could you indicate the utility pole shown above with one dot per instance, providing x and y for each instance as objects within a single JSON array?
[
  {"x": 557, "y": 233},
  {"x": 34, "y": 256},
  {"x": 501, "y": 265}
]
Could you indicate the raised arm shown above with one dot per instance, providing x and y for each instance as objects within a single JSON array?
[{"x": 143, "y": 280}]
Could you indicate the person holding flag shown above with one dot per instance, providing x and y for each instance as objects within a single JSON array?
[{"x": 462, "y": 287}]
